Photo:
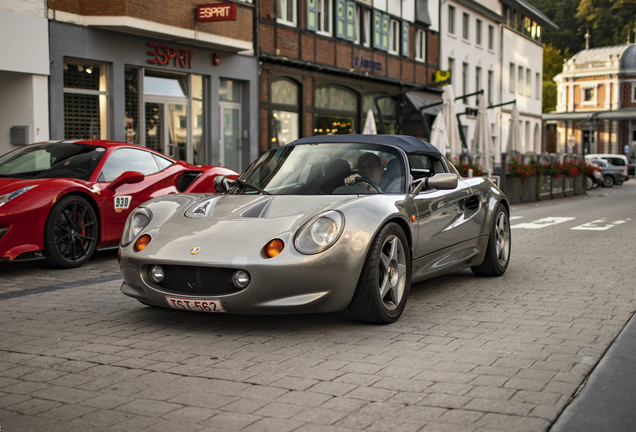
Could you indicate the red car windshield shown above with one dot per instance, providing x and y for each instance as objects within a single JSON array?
[{"x": 52, "y": 160}]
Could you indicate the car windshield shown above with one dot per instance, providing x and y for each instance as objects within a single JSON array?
[
  {"x": 52, "y": 160},
  {"x": 321, "y": 169}
]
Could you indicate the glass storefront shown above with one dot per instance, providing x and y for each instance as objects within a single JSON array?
[
  {"x": 85, "y": 100},
  {"x": 336, "y": 111},
  {"x": 285, "y": 117},
  {"x": 230, "y": 107}
]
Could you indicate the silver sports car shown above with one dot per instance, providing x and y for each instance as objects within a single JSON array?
[{"x": 322, "y": 224}]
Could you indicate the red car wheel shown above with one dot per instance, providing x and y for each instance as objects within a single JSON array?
[{"x": 71, "y": 233}]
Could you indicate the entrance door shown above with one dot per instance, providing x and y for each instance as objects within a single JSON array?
[
  {"x": 167, "y": 127},
  {"x": 231, "y": 147}
]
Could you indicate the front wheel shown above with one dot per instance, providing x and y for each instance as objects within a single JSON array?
[
  {"x": 608, "y": 181},
  {"x": 589, "y": 184},
  {"x": 384, "y": 284},
  {"x": 71, "y": 233},
  {"x": 498, "y": 250}
]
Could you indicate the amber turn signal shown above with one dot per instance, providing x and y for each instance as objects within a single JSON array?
[
  {"x": 142, "y": 242},
  {"x": 274, "y": 247},
  {"x": 413, "y": 218}
]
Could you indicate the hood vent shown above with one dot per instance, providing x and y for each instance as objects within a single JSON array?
[{"x": 257, "y": 210}]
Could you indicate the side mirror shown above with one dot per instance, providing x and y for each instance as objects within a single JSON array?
[
  {"x": 128, "y": 177},
  {"x": 444, "y": 181},
  {"x": 222, "y": 184}
]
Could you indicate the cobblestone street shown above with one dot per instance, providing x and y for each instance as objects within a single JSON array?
[{"x": 468, "y": 354}]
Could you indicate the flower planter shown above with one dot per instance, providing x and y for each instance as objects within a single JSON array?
[
  {"x": 544, "y": 185},
  {"x": 513, "y": 190},
  {"x": 579, "y": 184},
  {"x": 556, "y": 191},
  {"x": 531, "y": 189},
  {"x": 568, "y": 186}
]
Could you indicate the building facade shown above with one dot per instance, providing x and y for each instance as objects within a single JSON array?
[
  {"x": 24, "y": 72},
  {"x": 495, "y": 46},
  {"x": 324, "y": 62},
  {"x": 596, "y": 102},
  {"x": 160, "y": 75}
]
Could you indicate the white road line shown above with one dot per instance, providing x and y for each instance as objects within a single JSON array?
[
  {"x": 598, "y": 225},
  {"x": 515, "y": 217},
  {"x": 542, "y": 223}
]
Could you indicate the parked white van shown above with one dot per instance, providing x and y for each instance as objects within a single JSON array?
[{"x": 616, "y": 171}]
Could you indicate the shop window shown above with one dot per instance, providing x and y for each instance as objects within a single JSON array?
[
  {"x": 229, "y": 91},
  {"x": 198, "y": 121},
  {"x": 85, "y": 100},
  {"x": 286, "y": 12},
  {"x": 132, "y": 101},
  {"x": 389, "y": 111},
  {"x": 420, "y": 45},
  {"x": 336, "y": 111},
  {"x": 285, "y": 117}
]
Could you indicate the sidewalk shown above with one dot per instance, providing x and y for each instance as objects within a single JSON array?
[{"x": 606, "y": 401}]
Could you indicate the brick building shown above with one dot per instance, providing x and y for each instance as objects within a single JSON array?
[
  {"x": 323, "y": 62},
  {"x": 596, "y": 102},
  {"x": 156, "y": 73}
]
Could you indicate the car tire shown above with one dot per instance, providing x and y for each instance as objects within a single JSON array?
[
  {"x": 71, "y": 233},
  {"x": 385, "y": 281},
  {"x": 589, "y": 183},
  {"x": 608, "y": 181},
  {"x": 499, "y": 245}
]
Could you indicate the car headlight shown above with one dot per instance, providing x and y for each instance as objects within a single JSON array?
[
  {"x": 136, "y": 222},
  {"x": 16, "y": 193},
  {"x": 320, "y": 233}
]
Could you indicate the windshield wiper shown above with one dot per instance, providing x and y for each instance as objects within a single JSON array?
[{"x": 244, "y": 183}]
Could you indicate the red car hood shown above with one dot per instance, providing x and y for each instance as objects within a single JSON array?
[{"x": 8, "y": 185}]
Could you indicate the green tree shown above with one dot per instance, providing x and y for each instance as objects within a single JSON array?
[{"x": 552, "y": 66}]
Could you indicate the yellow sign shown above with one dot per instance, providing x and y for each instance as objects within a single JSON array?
[{"x": 442, "y": 75}]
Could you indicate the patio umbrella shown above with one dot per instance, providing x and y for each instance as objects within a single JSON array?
[
  {"x": 514, "y": 134},
  {"x": 439, "y": 137},
  {"x": 369, "y": 124},
  {"x": 484, "y": 149},
  {"x": 450, "y": 120}
]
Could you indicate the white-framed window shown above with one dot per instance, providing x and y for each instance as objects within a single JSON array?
[
  {"x": 420, "y": 45},
  {"x": 451, "y": 19},
  {"x": 589, "y": 95},
  {"x": 528, "y": 83},
  {"x": 451, "y": 69},
  {"x": 478, "y": 32},
  {"x": 465, "y": 26},
  {"x": 394, "y": 41},
  {"x": 491, "y": 37},
  {"x": 286, "y": 12},
  {"x": 363, "y": 26},
  {"x": 323, "y": 22},
  {"x": 633, "y": 92},
  {"x": 465, "y": 81},
  {"x": 477, "y": 82},
  {"x": 491, "y": 76},
  {"x": 512, "y": 87},
  {"x": 520, "y": 86},
  {"x": 538, "y": 86}
]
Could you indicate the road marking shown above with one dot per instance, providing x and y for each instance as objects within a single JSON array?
[
  {"x": 515, "y": 217},
  {"x": 542, "y": 223},
  {"x": 598, "y": 225}
]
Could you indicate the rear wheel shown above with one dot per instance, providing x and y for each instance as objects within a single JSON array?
[
  {"x": 384, "y": 284},
  {"x": 589, "y": 184},
  {"x": 608, "y": 181},
  {"x": 498, "y": 250},
  {"x": 71, "y": 233}
]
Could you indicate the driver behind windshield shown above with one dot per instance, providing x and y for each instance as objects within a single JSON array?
[{"x": 370, "y": 167}]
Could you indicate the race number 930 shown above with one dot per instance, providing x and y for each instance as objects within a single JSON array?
[{"x": 122, "y": 202}]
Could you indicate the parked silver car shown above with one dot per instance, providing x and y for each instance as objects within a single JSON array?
[
  {"x": 614, "y": 169},
  {"x": 319, "y": 225}
]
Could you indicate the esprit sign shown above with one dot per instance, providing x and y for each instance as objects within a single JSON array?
[
  {"x": 216, "y": 12},
  {"x": 163, "y": 55}
]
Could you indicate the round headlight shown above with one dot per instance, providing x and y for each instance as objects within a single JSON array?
[
  {"x": 136, "y": 222},
  {"x": 320, "y": 233},
  {"x": 156, "y": 274},
  {"x": 240, "y": 279}
]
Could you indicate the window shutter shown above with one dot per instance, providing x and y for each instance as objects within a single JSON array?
[
  {"x": 312, "y": 15},
  {"x": 341, "y": 19},
  {"x": 377, "y": 29},
  {"x": 351, "y": 21},
  {"x": 405, "y": 38},
  {"x": 386, "y": 31}
]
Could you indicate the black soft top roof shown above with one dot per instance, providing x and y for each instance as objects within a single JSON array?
[{"x": 406, "y": 143}]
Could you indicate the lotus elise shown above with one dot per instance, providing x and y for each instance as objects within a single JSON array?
[{"x": 319, "y": 225}]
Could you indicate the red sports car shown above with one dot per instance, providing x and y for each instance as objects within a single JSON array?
[{"x": 61, "y": 200}]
